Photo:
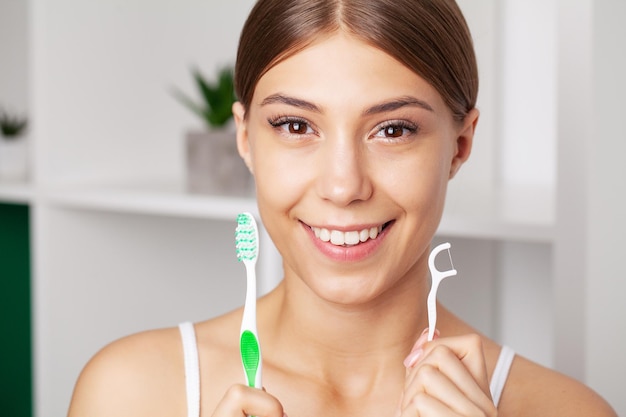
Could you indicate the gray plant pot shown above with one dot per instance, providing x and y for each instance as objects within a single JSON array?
[
  {"x": 214, "y": 165},
  {"x": 13, "y": 159}
]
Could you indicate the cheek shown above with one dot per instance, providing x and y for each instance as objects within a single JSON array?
[
  {"x": 416, "y": 180},
  {"x": 280, "y": 178}
]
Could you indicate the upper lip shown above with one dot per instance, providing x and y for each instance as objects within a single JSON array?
[{"x": 350, "y": 228}]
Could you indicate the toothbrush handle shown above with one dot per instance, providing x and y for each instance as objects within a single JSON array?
[
  {"x": 251, "y": 358},
  {"x": 249, "y": 346}
]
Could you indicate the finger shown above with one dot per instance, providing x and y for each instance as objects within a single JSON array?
[
  {"x": 417, "y": 350},
  {"x": 445, "y": 361},
  {"x": 461, "y": 360},
  {"x": 424, "y": 405},
  {"x": 430, "y": 380},
  {"x": 241, "y": 400},
  {"x": 467, "y": 349}
]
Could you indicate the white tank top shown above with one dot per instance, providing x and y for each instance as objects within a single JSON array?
[{"x": 192, "y": 370}]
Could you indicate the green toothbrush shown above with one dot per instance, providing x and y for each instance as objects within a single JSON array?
[{"x": 247, "y": 244}]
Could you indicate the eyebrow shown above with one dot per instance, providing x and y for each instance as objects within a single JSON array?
[
  {"x": 396, "y": 104},
  {"x": 386, "y": 106},
  {"x": 290, "y": 101}
]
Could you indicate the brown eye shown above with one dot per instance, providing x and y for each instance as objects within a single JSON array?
[
  {"x": 297, "y": 128},
  {"x": 394, "y": 131},
  {"x": 291, "y": 126}
]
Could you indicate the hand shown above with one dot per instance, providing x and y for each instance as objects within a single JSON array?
[
  {"x": 241, "y": 400},
  {"x": 446, "y": 377}
]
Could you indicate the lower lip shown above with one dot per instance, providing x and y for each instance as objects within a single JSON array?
[{"x": 348, "y": 253}]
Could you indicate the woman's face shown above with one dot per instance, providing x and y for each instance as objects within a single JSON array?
[{"x": 351, "y": 153}]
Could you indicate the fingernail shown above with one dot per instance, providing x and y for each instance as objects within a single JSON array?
[
  {"x": 424, "y": 336},
  {"x": 422, "y": 339},
  {"x": 413, "y": 357}
]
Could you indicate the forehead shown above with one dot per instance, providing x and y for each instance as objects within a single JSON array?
[{"x": 340, "y": 70}]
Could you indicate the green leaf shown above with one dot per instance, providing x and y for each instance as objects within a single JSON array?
[
  {"x": 12, "y": 126},
  {"x": 217, "y": 97}
]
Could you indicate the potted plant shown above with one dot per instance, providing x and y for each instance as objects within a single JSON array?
[
  {"x": 13, "y": 152},
  {"x": 213, "y": 163}
]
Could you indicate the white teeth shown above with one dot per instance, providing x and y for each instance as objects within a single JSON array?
[
  {"x": 325, "y": 235},
  {"x": 337, "y": 237},
  {"x": 353, "y": 237}
]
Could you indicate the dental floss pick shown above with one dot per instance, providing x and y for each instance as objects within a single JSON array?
[{"x": 436, "y": 278}]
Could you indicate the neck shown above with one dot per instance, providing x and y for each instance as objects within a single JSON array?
[{"x": 330, "y": 341}]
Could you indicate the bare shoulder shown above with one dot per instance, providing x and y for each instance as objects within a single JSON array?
[
  {"x": 138, "y": 375},
  {"x": 533, "y": 390},
  {"x": 144, "y": 374}
]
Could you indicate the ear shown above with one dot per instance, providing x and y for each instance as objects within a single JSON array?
[
  {"x": 243, "y": 145},
  {"x": 464, "y": 141}
]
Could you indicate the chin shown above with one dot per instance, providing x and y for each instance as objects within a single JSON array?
[{"x": 347, "y": 290}]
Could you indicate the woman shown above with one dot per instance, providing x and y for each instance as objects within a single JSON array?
[{"x": 353, "y": 116}]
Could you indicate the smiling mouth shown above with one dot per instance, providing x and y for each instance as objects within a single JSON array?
[{"x": 349, "y": 238}]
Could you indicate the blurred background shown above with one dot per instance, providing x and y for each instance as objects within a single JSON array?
[{"x": 100, "y": 235}]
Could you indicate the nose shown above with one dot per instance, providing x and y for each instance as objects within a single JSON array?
[{"x": 343, "y": 175}]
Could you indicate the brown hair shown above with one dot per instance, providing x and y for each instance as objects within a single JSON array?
[{"x": 430, "y": 37}]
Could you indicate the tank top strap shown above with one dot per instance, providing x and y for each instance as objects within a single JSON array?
[
  {"x": 192, "y": 368},
  {"x": 501, "y": 373}
]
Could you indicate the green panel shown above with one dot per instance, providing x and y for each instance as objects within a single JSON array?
[{"x": 15, "y": 328}]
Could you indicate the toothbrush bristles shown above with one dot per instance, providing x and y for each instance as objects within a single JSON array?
[{"x": 246, "y": 244}]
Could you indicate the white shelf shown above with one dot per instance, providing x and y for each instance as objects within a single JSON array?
[
  {"x": 152, "y": 199},
  {"x": 16, "y": 192},
  {"x": 477, "y": 228},
  {"x": 512, "y": 213}
]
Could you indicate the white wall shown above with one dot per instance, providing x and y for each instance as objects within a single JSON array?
[
  {"x": 606, "y": 222},
  {"x": 102, "y": 74},
  {"x": 14, "y": 50},
  {"x": 575, "y": 93},
  {"x": 526, "y": 140},
  {"x": 589, "y": 273},
  {"x": 527, "y": 116}
]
